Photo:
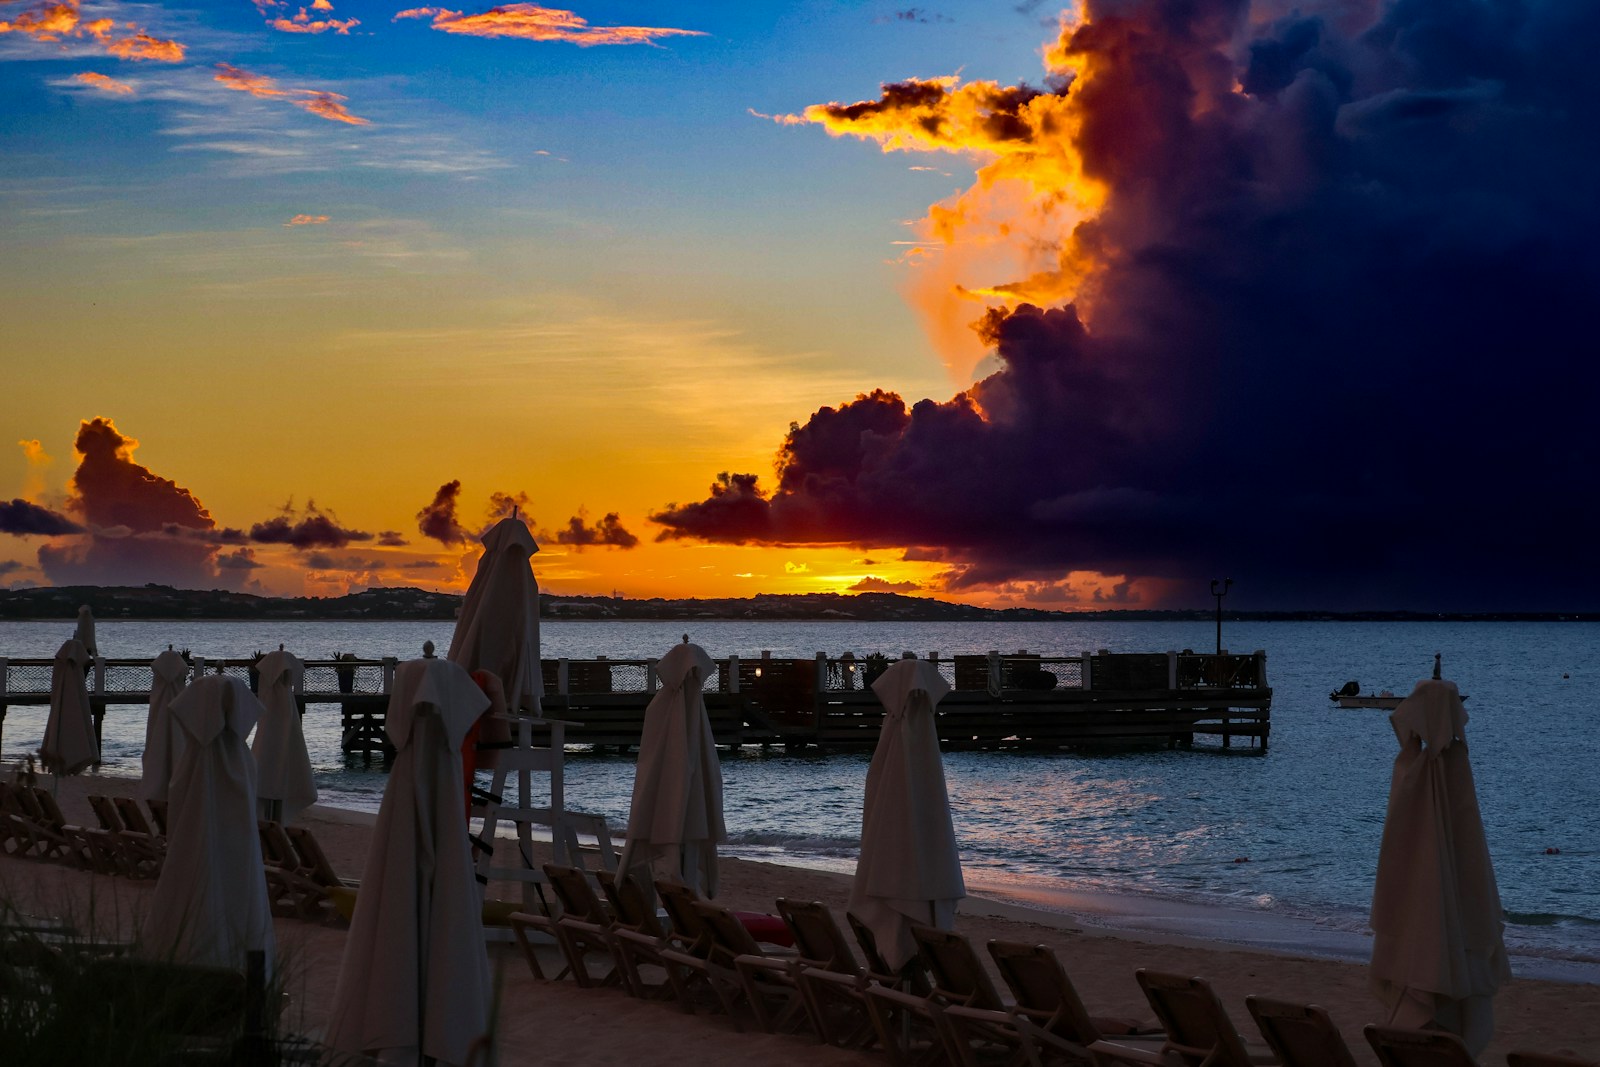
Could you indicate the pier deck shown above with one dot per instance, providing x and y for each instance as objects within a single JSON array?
[{"x": 1013, "y": 701}]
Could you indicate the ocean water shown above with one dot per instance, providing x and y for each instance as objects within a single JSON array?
[{"x": 1292, "y": 834}]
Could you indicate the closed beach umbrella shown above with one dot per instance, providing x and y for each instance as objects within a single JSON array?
[
  {"x": 69, "y": 744},
  {"x": 675, "y": 819},
  {"x": 498, "y": 629},
  {"x": 1437, "y": 951},
  {"x": 210, "y": 904},
  {"x": 284, "y": 785},
  {"x": 169, "y": 674},
  {"x": 909, "y": 870},
  {"x": 415, "y": 976},
  {"x": 85, "y": 631}
]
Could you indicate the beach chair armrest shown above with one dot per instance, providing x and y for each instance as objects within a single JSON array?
[{"x": 1113, "y": 1053}]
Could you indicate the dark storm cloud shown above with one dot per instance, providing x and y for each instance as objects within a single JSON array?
[
  {"x": 608, "y": 532},
  {"x": 126, "y": 508},
  {"x": 314, "y": 529},
  {"x": 437, "y": 519},
  {"x": 23, "y": 519},
  {"x": 1338, "y": 337}
]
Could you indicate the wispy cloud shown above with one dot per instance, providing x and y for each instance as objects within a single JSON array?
[
  {"x": 54, "y": 21},
  {"x": 303, "y": 21},
  {"x": 307, "y": 220},
  {"x": 533, "y": 22},
  {"x": 323, "y": 104},
  {"x": 103, "y": 83}
]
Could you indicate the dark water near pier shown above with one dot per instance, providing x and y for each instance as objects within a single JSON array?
[{"x": 1161, "y": 825}]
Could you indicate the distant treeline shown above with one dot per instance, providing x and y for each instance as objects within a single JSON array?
[{"x": 165, "y": 602}]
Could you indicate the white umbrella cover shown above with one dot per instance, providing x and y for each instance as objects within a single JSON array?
[
  {"x": 69, "y": 744},
  {"x": 85, "y": 631},
  {"x": 1437, "y": 951},
  {"x": 415, "y": 976},
  {"x": 498, "y": 629},
  {"x": 283, "y": 767},
  {"x": 169, "y": 674},
  {"x": 210, "y": 904},
  {"x": 909, "y": 869},
  {"x": 675, "y": 819}
]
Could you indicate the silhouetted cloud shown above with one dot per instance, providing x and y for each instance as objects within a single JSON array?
[
  {"x": 240, "y": 559},
  {"x": 438, "y": 518},
  {"x": 392, "y": 539},
  {"x": 127, "y": 508},
  {"x": 57, "y": 20},
  {"x": 503, "y": 504},
  {"x": 9, "y": 566},
  {"x": 873, "y": 584},
  {"x": 23, "y": 518},
  {"x": 1319, "y": 286},
  {"x": 323, "y": 104},
  {"x": 314, "y": 529},
  {"x": 608, "y": 531},
  {"x": 534, "y": 22}
]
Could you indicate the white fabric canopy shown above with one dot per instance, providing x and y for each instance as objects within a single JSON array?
[
  {"x": 498, "y": 629},
  {"x": 283, "y": 766},
  {"x": 1437, "y": 951},
  {"x": 169, "y": 674},
  {"x": 909, "y": 869},
  {"x": 675, "y": 819},
  {"x": 415, "y": 977},
  {"x": 210, "y": 904},
  {"x": 69, "y": 744}
]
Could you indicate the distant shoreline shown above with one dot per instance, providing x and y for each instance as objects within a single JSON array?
[{"x": 164, "y": 603}]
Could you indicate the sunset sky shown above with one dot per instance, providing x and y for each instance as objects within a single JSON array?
[{"x": 1067, "y": 308}]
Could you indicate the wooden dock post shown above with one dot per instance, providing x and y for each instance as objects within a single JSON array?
[{"x": 5, "y": 670}]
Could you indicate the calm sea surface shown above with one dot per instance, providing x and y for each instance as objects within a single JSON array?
[{"x": 1171, "y": 825}]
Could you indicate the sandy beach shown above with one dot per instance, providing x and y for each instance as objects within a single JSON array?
[{"x": 538, "y": 1020}]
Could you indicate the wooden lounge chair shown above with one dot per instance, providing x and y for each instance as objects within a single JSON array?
[
  {"x": 976, "y": 1024},
  {"x": 80, "y": 845},
  {"x": 1400, "y": 1047},
  {"x": 158, "y": 815},
  {"x": 135, "y": 854},
  {"x": 1547, "y": 1059},
  {"x": 833, "y": 984},
  {"x": 1198, "y": 1028},
  {"x": 696, "y": 978},
  {"x": 290, "y": 890},
  {"x": 637, "y": 936},
  {"x": 584, "y": 926},
  {"x": 134, "y": 819},
  {"x": 769, "y": 983},
  {"x": 1300, "y": 1035},
  {"x": 1049, "y": 1011}
]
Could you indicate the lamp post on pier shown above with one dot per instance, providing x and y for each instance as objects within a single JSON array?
[{"x": 1219, "y": 589}]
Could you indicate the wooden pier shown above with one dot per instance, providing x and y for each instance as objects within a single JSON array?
[{"x": 1016, "y": 701}]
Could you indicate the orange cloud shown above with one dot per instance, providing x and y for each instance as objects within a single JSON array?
[
  {"x": 307, "y": 220},
  {"x": 103, "y": 83},
  {"x": 303, "y": 24},
  {"x": 63, "y": 18},
  {"x": 533, "y": 22},
  {"x": 325, "y": 105},
  {"x": 1018, "y": 221}
]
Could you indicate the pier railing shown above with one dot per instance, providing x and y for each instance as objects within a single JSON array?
[
  {"x": 997, "y": 699},
  {"x": 125, "y": 680}
]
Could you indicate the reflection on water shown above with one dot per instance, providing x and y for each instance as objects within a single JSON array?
[{"x": 1296, "y": 831}]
